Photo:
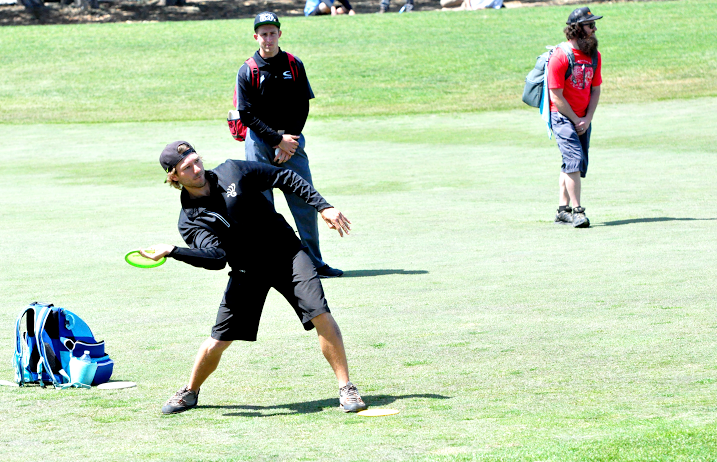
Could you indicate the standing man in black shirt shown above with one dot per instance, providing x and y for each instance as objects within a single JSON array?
[
  {"x": 225, "y": 218},
  {"x": 273, "y": 104}
]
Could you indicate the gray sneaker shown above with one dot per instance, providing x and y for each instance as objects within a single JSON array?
[
  {"x": 349, "y": 399},
  {"x": 565, "y": 217},
  {"x": 181, "y": 401},
  {"x": 579, "y": 218}
]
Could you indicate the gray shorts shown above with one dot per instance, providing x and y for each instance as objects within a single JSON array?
[{"x": 573, "y": 148}]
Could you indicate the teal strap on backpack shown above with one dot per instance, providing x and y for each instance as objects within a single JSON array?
[
  {"x": 22, "y": 353},
  {"x": 39, "y": 374},
  {"x": 545, "y": 104},
  {"x": 545, "y": 101}
]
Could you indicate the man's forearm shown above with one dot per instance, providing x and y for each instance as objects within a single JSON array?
[
  {"x": 594, "y": 100},
  {"x": 212, "y": 258},
  {"x": 265, "y": 132}
]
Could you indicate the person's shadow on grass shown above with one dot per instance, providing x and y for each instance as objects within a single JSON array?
[
  {"x": 650, "y": 220},
  {"x": 379, "y": 272},
  {"x": 310, "y": 407}
]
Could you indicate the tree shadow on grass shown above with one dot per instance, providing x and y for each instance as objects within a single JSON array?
[
  {"x": 310, "y": 407},
  {"x": 379, "y": 272},
  {"x": 650, "y": 220}
]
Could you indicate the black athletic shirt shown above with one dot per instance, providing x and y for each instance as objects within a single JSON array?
[
  {"x": 280, "y": 103},
  {"x": 236, "y": 223}
]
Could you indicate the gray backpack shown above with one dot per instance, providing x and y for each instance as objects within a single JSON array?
[{"x": 535, "y": 81}]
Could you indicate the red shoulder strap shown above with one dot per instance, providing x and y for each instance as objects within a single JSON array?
[
  {"x": 254, "y": 72},
  {"x": 254, "y": 77},
  {"x": 292, "y": 66}
]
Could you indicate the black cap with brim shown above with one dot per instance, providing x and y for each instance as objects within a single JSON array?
[
  {"x": 581, "y": 15},
  {"x": 170, "y": 156},
  {"x": 267, "y": 17}
]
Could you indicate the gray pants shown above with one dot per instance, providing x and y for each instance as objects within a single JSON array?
[{"x": 305, "y": 216}]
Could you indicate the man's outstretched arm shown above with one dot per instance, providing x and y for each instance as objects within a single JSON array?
[
  {"x": 267, "y": 176},
  {"x": 205, "y": 249}
]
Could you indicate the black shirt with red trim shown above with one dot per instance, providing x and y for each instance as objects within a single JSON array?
[{"x": 281, "y": 102}]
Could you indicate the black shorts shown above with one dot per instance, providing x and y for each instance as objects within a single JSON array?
[{"x": 295, "y": 278}]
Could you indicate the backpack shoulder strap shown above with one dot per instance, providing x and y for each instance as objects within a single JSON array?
[
  {"x": 254, "y": 79},
  {"x": 254, "y": 76},
  {"x": 22, "y": 349},
  {"x": 568, "y": 50},
  {"x": 42, "y": 312},
  {"x": 293, "y": 66}
]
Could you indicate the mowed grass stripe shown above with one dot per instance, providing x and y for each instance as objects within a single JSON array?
[{"x": 430, "y": 62}]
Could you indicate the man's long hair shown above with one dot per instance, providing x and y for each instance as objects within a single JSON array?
[
  {"x": 182, "y": 148},
  {"x": 587, "y": 45}
]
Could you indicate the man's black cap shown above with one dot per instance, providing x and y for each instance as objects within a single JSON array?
[
  {"x": 581, "y": 15},
  {"x": 267, "y": 17},
  {"x": 170, "y": 156}
]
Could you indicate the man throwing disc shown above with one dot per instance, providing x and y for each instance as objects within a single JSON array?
[
  {"x": 573, "y": 100},
  {"x": 225, "y": 219}
]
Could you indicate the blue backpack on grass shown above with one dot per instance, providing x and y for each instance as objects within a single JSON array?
[{"x": 46, "y": 338}]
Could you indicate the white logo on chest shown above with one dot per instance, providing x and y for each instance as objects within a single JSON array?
[
  {"x": 232, "y": 190},
  {"x": 287, "y": 75}
]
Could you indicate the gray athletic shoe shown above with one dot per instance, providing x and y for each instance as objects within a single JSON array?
[
  {"x": 407, "y": 8},
  {"x": 579, "y": 218},
  {"x": 565, "y": 217},
  {"x": 349, "y": 399},
  {"x": 181, "y": 401}
]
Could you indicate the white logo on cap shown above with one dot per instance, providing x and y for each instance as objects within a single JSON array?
[
  {"x": 232, "y": 190},
  {"x": 266, "y": 17}
]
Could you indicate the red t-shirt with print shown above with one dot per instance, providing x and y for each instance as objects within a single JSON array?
[{"x": 576, "y": 89}]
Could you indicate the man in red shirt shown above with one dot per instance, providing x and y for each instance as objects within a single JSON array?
[{"x": 573, "y": 100}]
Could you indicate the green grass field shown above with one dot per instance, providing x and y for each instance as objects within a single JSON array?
[
  {"x": 498, "y": 335},
  {"x": 433, "y": 62}
]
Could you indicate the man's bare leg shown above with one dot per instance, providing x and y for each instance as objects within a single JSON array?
[
  {"x": 564, "y": 197},
  {"x": 332, "y": 346},
  {"x": 572, "y": 187},
  {"x": 206, "y": 362}
]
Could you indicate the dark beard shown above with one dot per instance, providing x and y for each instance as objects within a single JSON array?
[{"x": 588, "y": 45}]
